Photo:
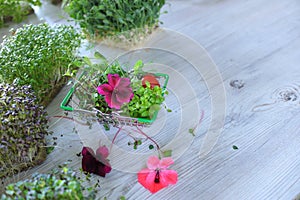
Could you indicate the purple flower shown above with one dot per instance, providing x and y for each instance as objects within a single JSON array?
[
  {"x": 117, "y": 91},
  {"x": 96, "y": 164}
]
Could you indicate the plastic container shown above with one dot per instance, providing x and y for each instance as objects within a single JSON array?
[{"x": 113, "y": 118}]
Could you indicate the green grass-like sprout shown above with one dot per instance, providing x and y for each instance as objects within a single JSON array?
[
  {"x": 15, "y": 10},
  {"x": 39, "y": 55},
  {"x": 118, "y": 20},
  {"x": 61, "y": 183}
]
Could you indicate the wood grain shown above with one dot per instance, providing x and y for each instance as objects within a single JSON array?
[{"x": 255, "y": 45}]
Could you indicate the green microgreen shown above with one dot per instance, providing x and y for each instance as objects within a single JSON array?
[
  {"x": 121, "y": 18},
  {"x": 23, "y": 125},
  {"x": 191, "y": 131},
  {"x": 234, "y": 147},
  {"x": 61, "y": 183},
  {"x": 39, "y": 55},
  {"x": 167, "y": 153},
  {"x": 50, "y": 149},
  {"x": 15, "y": 10}
]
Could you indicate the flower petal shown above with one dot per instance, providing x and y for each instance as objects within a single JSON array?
[
  {"x": 105, "y": 89},
  {"x": 123, "y": 83},
  {"x": 107, "y": 168},
  {"x": 113, "y": 102},
  {"x": 151, "y": 79},
  {"x": 95, "y": 164},
  {"x": 103, "y": 151},
  {"x": 108, "y": 100},
  {"x": 165, "y": 162},
  {"x": 113, "y": 79},
  {"x": 168, "y": 177},
  {"x": 124, "y": 95},
  {"x": 86, "y": 151},
  {"x": 132, "y": 95},
  {"x": 102, "y": 168},
  {"x": 153, "y": 162},
  {"x": 89, "y": 162},
  {"x": 153, "y": 178},
  {"x": 146, "y": 178}
]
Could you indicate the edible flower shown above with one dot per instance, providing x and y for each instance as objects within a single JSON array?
[
  {"x": 157, "y": 176},
  {"x": 117, "y": 91},
  {"x": 95, "y": 163}
]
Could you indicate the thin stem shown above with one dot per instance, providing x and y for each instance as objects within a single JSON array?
[
  {"x": 200, "y": 120},
  {"x": 70, "y": 118},
  {"x": 116, "y": 134},
  {"x": 129, "y": 134},
  {"x": 144, "y": 134}
]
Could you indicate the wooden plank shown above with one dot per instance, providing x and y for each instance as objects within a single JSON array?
[{"x": 255, "y": 46}]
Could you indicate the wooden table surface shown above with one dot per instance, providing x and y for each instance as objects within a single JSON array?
[{"x": 241, "y": 59}]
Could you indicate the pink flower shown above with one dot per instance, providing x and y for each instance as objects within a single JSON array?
[
  {"x": 117, "y": 91},
  {"x": 157, "y": 176},
  {"x": 96, "y": 164}
]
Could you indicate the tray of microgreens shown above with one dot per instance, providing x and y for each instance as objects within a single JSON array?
[{"x": 118, "y": 95}]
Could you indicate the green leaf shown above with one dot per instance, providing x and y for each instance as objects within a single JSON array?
[
  {"x": 106, "y": 21},
  {"x": 65, "y": 169},
  {"x": 148, "y": 84},
  {"x": 10, "y": 192},
  {"x": 191, "y": 131},
  {"x": 50, "y": 149},
  {"x": 68, "y": 73},
  {"x": 87, "y": 61},
  {"x": 100, "y": 16},
  {"x": 138, "y": 66},
  {"x": 99, "y": 55},
  {"x": 234, "y": 147},
  {"x": 145, "y": 114},
  {"x": 77, "y": 63},
  {"x": 167, "y": 153},
  {"x": 109, "y": 13}
]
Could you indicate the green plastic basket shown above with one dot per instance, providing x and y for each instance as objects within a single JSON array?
[{"x": 114, "y": 118}]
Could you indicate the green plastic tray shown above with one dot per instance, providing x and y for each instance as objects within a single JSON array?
[{"x": 64, "y": 104}]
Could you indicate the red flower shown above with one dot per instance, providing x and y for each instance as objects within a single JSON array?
[
  {"x": 96, "y": 164},
  {"x": 151, "y": 79},
  {"x": 117, "y": 91},
  {"x": 157, "y": 176}
]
